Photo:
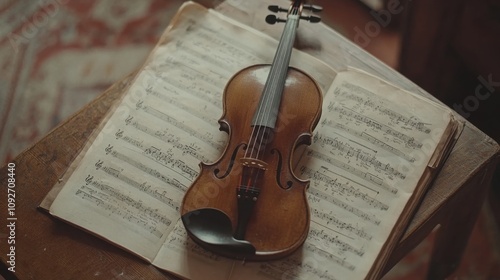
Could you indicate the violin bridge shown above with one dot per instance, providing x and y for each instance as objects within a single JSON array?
[{"x": 253, "y": 162}]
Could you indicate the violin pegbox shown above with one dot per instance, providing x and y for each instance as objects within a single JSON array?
[{"x": 296, "y": 9}]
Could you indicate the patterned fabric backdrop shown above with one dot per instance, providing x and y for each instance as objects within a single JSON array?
[{"x": 57, "y": 55}]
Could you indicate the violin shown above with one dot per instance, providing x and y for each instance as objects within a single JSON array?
[{"x": 249, "y": 204}]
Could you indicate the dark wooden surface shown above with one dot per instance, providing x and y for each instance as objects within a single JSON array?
[
  {"x": 450, "y": 48},
  {"x": 50, "y": 249}
]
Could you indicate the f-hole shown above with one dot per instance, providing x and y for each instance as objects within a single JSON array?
[
  {"x": 231, "y": 163},
  {"x": 279, "y": 169}
]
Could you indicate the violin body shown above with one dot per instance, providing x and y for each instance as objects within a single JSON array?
[
  {"x": 278, "y": 222},
  {"x": 249, "y": 204}
]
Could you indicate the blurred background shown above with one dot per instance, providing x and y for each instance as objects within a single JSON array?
[{"x": 57, "y": 55}]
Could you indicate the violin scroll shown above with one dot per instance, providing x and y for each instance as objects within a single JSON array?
[{"x": 272, "y": 19}]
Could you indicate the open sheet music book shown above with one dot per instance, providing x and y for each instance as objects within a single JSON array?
[{"x": 374, "y": 151}]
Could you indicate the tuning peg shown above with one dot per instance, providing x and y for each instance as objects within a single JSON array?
[
  {"x": 313, "y": 8},
  {"x": 272, "y": 19},
  {"x": 312, "y": 19},
  {"x": 275, "y": 9}
]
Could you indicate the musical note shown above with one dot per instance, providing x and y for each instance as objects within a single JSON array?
[
  {"x": 333, "y": 258},
  {"x": 331, "y": 199},
  {"x": 155, "y": 173},
  {"x": 396, "y": 118},
  {"x": 111, "y": 199},
  {"x": 331, "y": 219},
  {"x": 168, "y": 159},
  {"x": 144, "y": 187},
  {"x": 357, "y": 154},
  {"x": 171, "y": 120},
  {"x": 292, "y": 269},
  {"x": 342, "y": 189},
  {"x": 323, "y": 236},
  {"x": 368, "y": 137},
  {"x": 200, "y": 115},
  {"x": 353, "y": 170}
]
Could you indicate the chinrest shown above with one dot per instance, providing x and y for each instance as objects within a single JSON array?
[{"x": 212, "y": 229}]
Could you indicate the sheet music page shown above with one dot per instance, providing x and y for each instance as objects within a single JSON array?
[
  {"x": 368, "y": 153},
  {"x": 129, "y": 185}
]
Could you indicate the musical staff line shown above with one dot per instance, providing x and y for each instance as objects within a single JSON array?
[
  {"x": 193, "y": 90},
  {"x": 369, "y": 138},
  {"x": 162, "y": 116},
  {"x": 341, "y": 225},
  {"x": 168, "y": 160},
  {"x": 321, "y": 235},
  {"x": 238, "y": 47},
  {"x": 409, "y": 142},
  {"x": 341, "y": 261},
  {"x": 358, "y": 173},
  {"x": 143, "y": 187},
  {"x": 153, "y": 172},
  {"x": 357, "y": 154},
  {"x": 165, "y": 137},
  {"x": 395, "y": 117},
  {"x": 345, "y": 206},
  {"x": 213, "y": 58},
  {"x": 344, "y": 189},
  {"x": 90, "y": 195},
  {"x": 108, "y": 191},
  {"x": 195, "y": 113}
]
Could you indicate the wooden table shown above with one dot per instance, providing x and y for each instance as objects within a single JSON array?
[{"x": 49, "y": 249}]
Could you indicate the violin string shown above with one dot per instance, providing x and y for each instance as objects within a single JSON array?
[
  {"x": 279, "y": 73},
  {"x": 265, "y": 113},
  {"x": 275, "y": 81},
  {"x": 231, "y": 271}
]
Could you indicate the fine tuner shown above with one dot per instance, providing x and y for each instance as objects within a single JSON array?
[{"x": 272, "y": 19}]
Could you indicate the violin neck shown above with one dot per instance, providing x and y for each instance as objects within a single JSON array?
[{"x": 269, "y": 103}]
